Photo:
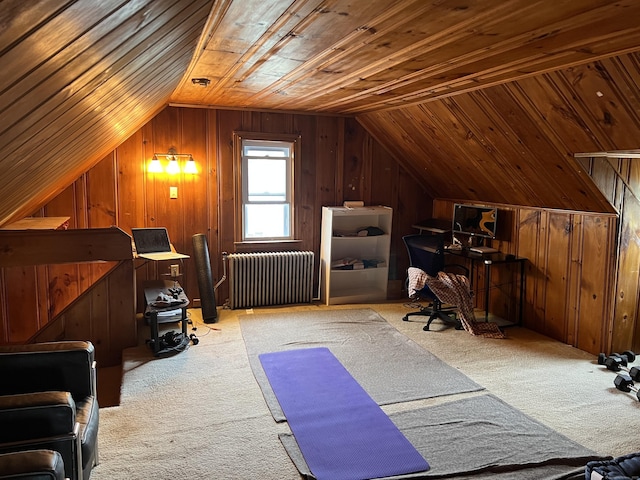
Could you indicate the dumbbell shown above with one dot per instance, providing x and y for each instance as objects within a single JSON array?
[
  {"x": 625, "y": 357},
  {"x": 616, "y": 364},
  {"x": 624, "y": 383}
]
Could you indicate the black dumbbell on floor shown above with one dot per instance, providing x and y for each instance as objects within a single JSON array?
[
  {"x": 624, "y": 383},
  {"x": 625, "y": 357},
  {"x": 616, "y": 362}
]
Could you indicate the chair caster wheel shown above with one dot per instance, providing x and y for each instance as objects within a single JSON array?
[
  {"x": 405, "y": 318},
  {"x": 425, "y": 328}
]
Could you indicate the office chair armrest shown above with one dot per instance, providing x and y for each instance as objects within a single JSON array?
[{"x": 67, "y": 366}]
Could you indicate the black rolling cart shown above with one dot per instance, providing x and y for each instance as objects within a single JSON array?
[{"x": 162, "y": 299}]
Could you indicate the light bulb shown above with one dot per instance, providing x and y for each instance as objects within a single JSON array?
[
  {"x": 155, "y": 166},
  {"x": 190, "y": 166},
  {"x": 173, "y": 166}
]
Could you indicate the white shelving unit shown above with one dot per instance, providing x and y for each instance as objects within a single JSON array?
[{"x": 340, "y": 241}]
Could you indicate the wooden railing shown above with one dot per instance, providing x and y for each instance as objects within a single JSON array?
[{"x": 39, "y": 266}]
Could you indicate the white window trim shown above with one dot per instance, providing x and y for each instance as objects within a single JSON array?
[{"x": 240, "y": 183}]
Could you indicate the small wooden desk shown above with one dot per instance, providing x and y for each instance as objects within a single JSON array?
[
  {"x": 178, "y": 301},
  {"x": 488, "y": 260}
]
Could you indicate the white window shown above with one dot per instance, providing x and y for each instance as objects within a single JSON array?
[{"x": 267, "y": 189}]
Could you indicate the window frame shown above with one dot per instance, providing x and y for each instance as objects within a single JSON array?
[{"x": 241, "y": 192}]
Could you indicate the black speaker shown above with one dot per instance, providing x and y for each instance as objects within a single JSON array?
[{"x": 205, "y": 282}]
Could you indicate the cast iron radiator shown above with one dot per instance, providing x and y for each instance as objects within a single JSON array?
[{"x": 270, "y": 278}]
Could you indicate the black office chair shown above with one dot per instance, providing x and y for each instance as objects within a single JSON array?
[{"x": 427, "y": 253}]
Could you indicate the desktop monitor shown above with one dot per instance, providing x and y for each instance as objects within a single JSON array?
[{"x": 474, "y": 220}]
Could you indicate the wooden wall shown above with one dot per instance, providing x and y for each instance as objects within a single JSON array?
[
  {"x": 569, "y": 271},
  {"x": 570, "y": 254},
  {"x": 340, "y": 161},
  {"x": 619, "y": 180}
]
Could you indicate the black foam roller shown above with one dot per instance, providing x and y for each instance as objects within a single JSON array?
[{"x": 205, "y": 282}]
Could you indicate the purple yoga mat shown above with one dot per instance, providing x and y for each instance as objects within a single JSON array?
[{"x": 342, "y": 433}]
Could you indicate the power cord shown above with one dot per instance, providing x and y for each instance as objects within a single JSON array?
[{"x": 195, "y": 325}]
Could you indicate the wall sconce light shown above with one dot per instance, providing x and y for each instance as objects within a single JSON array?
[
  {"x": 173, "y": 167},
  {"x": 155, "y": 166},
  {"x": 190, "y": 166}
]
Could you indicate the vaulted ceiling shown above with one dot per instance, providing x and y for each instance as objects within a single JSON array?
[
  {"x": 424, "y": 78},
  {"x": 349, "y": 57}
]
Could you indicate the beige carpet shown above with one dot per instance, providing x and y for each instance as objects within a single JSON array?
[
  {"x": 387, "y": 364},
  {"x": 201, "y": 414}
]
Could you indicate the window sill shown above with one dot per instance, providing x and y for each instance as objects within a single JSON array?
[{"x": 267, "y": 245}]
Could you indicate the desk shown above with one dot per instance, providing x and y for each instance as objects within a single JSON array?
[
  {"x": 489, "y": 260},
  {"x": 180, "y": 301},
  {"x": 433, "y": 226}
]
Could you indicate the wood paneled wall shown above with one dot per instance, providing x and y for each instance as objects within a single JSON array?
[
  {"x": 570, "y": 253},
  {"x": 569, "y": 271},
  {"x": 619, "y": 180},
  {"x": 340, "y": 161}
]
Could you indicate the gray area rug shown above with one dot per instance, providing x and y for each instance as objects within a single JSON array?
[
  {"x": 388, "y": 365},
  {"x": 480, "y": 437}
]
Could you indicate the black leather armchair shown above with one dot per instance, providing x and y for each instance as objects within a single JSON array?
[
  {"x": 32, "y": 465},
  {"x": 48, "y": 400}
]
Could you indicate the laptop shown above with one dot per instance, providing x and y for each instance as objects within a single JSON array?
[{"x": 154, "y": 244}]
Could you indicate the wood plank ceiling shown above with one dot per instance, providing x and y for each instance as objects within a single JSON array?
[
  {"x": 346, "y": 56},
  {"x": 81, "y": 76}
]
